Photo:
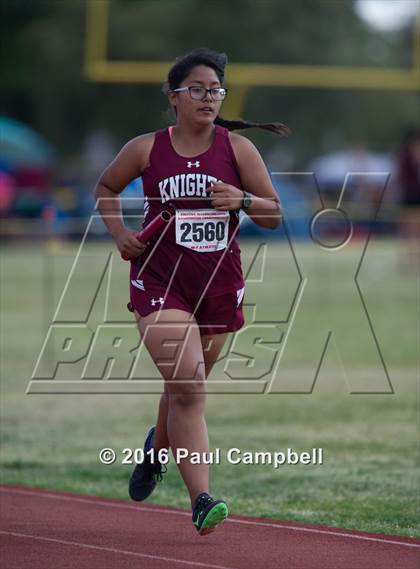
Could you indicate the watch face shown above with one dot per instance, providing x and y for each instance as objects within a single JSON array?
[{"x": 246, "y": 201}]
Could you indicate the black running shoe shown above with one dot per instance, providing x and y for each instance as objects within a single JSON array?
[
  {"x": 146, "y": 475},
  {"x": 208, "y": 513}
]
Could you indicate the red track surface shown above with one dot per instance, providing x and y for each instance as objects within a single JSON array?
[{"x": 42, "y": 530}]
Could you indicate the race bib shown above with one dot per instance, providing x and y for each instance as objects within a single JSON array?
[{"x": 204, "y": 230}]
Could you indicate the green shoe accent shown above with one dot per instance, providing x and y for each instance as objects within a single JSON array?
[{"x": 214, "y": 517}]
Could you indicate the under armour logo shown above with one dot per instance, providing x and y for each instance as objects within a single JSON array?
[
  {"x": 154, "y": 301},
  {"x": 191, "y": 164}
]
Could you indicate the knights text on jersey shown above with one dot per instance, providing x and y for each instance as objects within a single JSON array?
[{"x": 198, "y": 250}]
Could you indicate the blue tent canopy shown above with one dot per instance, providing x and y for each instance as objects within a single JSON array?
[{"x": 20, "y": 145}]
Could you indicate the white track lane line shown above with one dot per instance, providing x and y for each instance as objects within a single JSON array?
[
  {"x": 228, "y": 520},
  {"x": 112, "y": 550}
]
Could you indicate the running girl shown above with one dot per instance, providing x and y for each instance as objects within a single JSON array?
[{"x": 186, "y": 283}]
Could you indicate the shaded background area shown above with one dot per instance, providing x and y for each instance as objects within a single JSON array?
[{"x": 46, "y": 87}]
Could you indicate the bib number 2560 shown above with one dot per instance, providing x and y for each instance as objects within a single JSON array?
[{"x": 202, "y": 230}]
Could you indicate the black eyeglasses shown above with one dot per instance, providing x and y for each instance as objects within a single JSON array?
[{"x": 199, "y": 93}]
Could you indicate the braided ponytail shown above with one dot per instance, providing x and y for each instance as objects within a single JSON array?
[
  {"x": 276, "y": 127},
  {"x": 217, "y": 61}
]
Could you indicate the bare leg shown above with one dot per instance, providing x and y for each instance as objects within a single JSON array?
[
  {"x": 181, "y": 422},
  {"x": 212, "y": 346},
  {"x": 160, "y": 438}
]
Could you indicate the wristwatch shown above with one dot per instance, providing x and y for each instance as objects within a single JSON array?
[{"x": 246, "y": 200}]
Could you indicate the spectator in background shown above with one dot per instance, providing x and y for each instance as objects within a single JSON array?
[
  {"x": 408, "y": 180},
  {"x": 98, "y": 150},
  {"x": 7, "y": 192}
]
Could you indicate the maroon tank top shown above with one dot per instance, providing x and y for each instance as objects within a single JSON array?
[{"x": 185, "y": 254}]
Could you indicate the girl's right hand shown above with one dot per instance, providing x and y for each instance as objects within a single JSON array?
[{"x": 128, "y": 245}]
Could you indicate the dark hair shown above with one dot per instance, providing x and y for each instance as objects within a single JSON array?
[{"x": 217, "y": 61}]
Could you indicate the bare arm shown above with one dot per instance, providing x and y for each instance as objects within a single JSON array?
[
  {"x": 265, "y": 209},
  {"x": 256, "y": 180},
  {"x": 126, "y": 166}
]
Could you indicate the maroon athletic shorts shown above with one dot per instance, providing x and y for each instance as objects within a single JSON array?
[{"x": 214, "y": 314}]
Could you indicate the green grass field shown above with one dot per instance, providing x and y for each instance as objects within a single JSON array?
[{"x": 370, "y": 476}]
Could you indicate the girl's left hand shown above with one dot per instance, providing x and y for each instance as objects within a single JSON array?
[{"x": 225, "y": 196}]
